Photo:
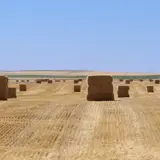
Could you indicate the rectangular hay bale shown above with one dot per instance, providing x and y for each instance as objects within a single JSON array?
[
  {"x": 49, "y": 81},
  {"x": 150, "y": 89},
  {"x": 12, "y": 93},
  {"x": 123, "y": 91},
  {"x": 57, "y": 80},
  {"x": 22, "y": 87},
  {"x": 157, "y": 81},
  {"x": 127, "y": 81},
  {"x": 38, "y": 81},
  {"x": 77, "y": 88},
  {"x": 76, "y": 81},
  {"x": 100, "y": 88},
  {"x": 3, "y": 88}
]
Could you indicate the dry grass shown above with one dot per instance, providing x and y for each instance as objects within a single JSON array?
[{"x": 51, "y": 122}]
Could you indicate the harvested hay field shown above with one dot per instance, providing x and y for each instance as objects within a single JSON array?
[{"x": 51, "y": 122}]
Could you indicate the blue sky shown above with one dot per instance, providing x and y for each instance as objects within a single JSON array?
[{"x": 104, "y": 35}]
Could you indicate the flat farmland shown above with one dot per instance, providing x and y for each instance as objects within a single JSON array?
[{"x": 51, "y": 122}]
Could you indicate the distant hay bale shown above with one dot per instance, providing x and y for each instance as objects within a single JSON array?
[
  {"x": 77, "y": 88},
  {"x": 121, "y": 80},
  {"x": 57, "y": 80},
  {"x": 49, "y": 81},
  {"x": 131, "y": 80},
  {"x": 27, "y": 80},
  {"x": 44, "y": 80},
  {"x": 17, "y": 81},
  {"x": 100, "y": 88},
  {"x": 127, "y": 81},
  {"x": 123, "y": 91},
  {"x": 3, "y": 88},
  {"x": 150, "y": 89},
  {"x": 157, "y": 81},
  {"x": 76, "y": 81},
  {"x": 38, "y": 81},
  {"x": 64, "y": 80},
  {"x": 80, "y": 80},
  {"x": 22, "y": 87},
  {"x": 22, "y": 80},
  {"x": 151, "y": 80},
  {"x": 141, "y": 80},
  {"x": 12, "y": 93}
]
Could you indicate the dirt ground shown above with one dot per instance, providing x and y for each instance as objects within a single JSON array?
[{"x": 50, "y": 122}]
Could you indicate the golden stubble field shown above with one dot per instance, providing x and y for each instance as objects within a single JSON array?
[{"x": 51, "y": 122}]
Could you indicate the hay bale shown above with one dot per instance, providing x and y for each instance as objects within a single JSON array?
[
  {"x": 100, "y": 88},
  {"x": 12, "y": 93},
  {"x": 38, "y": 81},
  {"x": 22, "y": 87},
  {"x": 77, "y": 88},
  {"x": 127, "y": 81},
  {"x": 22, "y": 80},
  {"x": 17, "y": 81},
  {"x": 64, "y": 80},
  {"x": 121, "y": 80},
  {"x": 141, "y": 80},
  {"x": 76, "y": 81},
  {"x": 44, "y": 80},
  {"x": 49, "y": 81},
  {"x": 56, "y": 80},
  {"x": 3, "y": 88},
  {"x": 157, "y": 81},
  {"x": 150, "y": 89},
  {"x": 28, "y": 81},
  {"x": 123, "y": 91},
  {"x": 151, "y": 80},
  {"x": 80, "y": 80}
]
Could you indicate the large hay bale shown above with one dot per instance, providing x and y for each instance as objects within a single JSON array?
[
  {"x": 22, "y": 87},
  {"x": 12, "y": 93},
  {"x": 150, "y": 89},
  {"x": 127, "y": 81},
  {"x": 123, "y": 91},
  {"x": 100, "y": 88},
  {"x": 77, "y": 88},
  {"x": 3, "y": 88},
  {"x": 49, "y": 81},
  {"x": 157, "y": 81}
]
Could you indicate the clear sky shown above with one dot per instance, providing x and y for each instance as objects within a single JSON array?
[{"x": 104, "y": 35}]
